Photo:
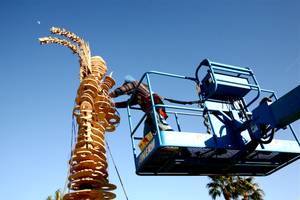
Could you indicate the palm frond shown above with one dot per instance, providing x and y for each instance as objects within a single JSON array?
[
  {"x": 58, "y": 195},
  {"x": 53, "y": 40},
  {"x": 63, "y": 32}
]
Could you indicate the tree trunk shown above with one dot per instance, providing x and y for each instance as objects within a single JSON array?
[
  {"x": 246, "y": 197},
  {"x": 227, "y": 196}
]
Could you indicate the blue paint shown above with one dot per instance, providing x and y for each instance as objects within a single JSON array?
[{"x": 241, "y": 141}]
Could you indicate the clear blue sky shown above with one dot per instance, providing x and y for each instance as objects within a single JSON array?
[{"x": 38, "y": 83}]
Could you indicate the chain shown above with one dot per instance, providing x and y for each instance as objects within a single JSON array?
[{"x": 206, "y": 122}]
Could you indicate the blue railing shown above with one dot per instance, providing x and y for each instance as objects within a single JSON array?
[
  {"x": 133, "y": 129},
  {"x": 238, "y": 71},
  {"x": 185, "y": 110}
]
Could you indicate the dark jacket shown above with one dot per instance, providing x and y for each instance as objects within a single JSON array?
[{"x": 141, "y": 96}]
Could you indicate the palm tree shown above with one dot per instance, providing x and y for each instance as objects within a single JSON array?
[
  {"x": 249, "y": 189},
  {"x": 222, "y": 185},
  {"x": 58, "y": 196},
  {"x": 257, "y": 194},
  {"x": 233, "y": 187},
  {"x": 214, "y": 189}
]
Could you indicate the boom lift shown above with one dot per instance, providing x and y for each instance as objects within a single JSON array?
[{"x": 239, "y": 139}]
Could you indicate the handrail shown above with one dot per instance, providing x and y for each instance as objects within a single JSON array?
[
  {"x": 153, "y": 106},
  {"x": 211, "y": 65},
  {"x": 242, "y": 84},
  {"x": 233, "y": 71},
  {"x": 170, "y": 112},
  {"x": 258, "y": 92},
  {"x": 138, "y": 124},
  {"x": 229, "y": 68},
  {"x": 190, "y": 110},
  {"x": 158, "y": 73},
  {"x": 205, "y": 62},
  {"x": 243, "y": 69},
  {"x": 178, "y": 107},
  {"x": 184, "y": 113}
]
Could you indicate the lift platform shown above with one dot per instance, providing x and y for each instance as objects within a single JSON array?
[
  {"x": 241, "y": 121},
  {"x": 185, "y": 153}
]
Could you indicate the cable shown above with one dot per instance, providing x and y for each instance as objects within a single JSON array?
[
  {"x": 121, "y": 182},
  {"x": 117, "y": 114},
  {"x": 183, "y": 102},
  {"x": 73, "y": 136},
  {"x": 267, "y": 138},
  {"x": 206, "y": 121}
]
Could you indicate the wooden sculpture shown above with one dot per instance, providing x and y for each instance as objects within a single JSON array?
[{"x": 95, "y": 113}]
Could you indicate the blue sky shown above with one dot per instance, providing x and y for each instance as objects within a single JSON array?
[{"x": 39, "y": 83}]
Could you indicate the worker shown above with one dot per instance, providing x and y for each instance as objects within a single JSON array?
[{"x": 142, "y": 98}]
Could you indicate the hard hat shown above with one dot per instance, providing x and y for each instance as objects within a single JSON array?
[
  {"x": 97, "y": 63},
  {"x": 129, "y": 79},
  {"x": 98, "y": 60}
]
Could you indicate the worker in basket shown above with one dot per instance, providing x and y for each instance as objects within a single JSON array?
[{"x": 142, "y": 98}]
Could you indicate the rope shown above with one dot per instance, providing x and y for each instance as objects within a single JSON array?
[
  {"x": 115, "y": 166},
  {"x": 73, "y": 136},
  {"x": 66, "y": 184}
]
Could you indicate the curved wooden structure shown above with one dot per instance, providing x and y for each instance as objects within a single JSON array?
[{"x": 95, "y": 114}]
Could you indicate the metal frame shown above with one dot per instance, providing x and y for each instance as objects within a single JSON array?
[
  {"x": 153, "y": 108},
  {"x": 214, "y": 66},
  {"x": 187, "y": 110}
]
